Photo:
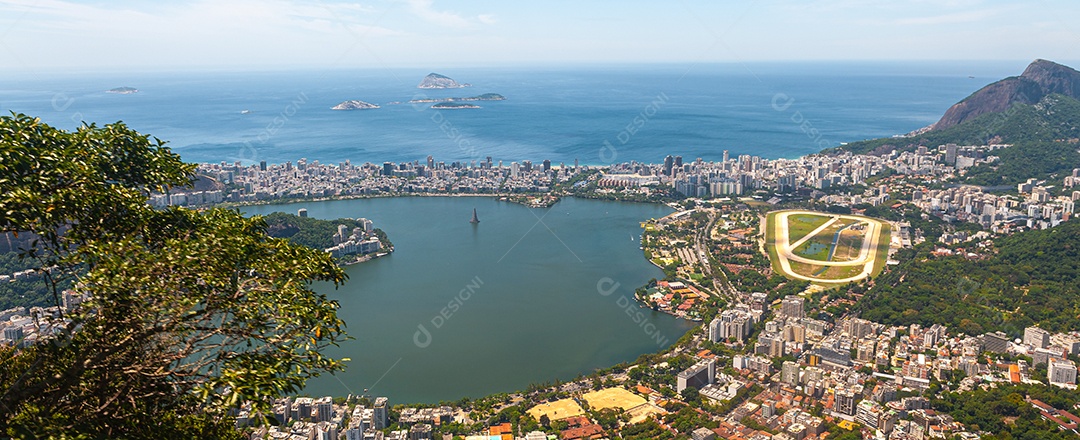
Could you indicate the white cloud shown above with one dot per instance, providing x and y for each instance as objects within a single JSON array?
[
  {"x": 425, "y": 10},
  {"x": 952, "y": 18}
]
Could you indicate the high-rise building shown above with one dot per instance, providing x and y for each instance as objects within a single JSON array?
[
  {"x": 668, "y": 163},
  {"x": 950, "y": 154},
  {"x": 381, "y": 417},
  {"x": 792, "y": 306},
  {"x": 727, "y": 156},
  {"x": 678, "y": 161},
  {"x": 789, "y": 373},
  {"x": 430, "y": 162},
  {"x": 845, "y": 402},
  {"x": 388, "y": 168},
  {"x": 1062, "y": 371},
  {"x": 302, "y": 212},
  {"x": 1036, "y": 337},
  {"x": 547, "y": 165},
  {"x": 698, "y": 375},
  {"x": 262, "y": 165},
  {"x": 324, "y": 409}
]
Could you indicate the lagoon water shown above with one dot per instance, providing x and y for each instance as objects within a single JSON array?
[{"x": 530, "y": 295}]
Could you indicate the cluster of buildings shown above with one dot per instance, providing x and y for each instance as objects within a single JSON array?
[
  {"x": 860, "y": 372},
  {"x": 810, "y": 175},
  {"x": 22, "y": 328},
  {"x": 360, "y": 240},
  {"x": 1033, "y": 208},
  {"x": 265, "y": 182},
  {"x": 306, "y": 418}
]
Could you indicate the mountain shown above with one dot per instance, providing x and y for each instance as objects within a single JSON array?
[
  {"x": 354, "y": 105},
  {"x": 1040, "y": 79},
  {"x": 436, "y": 81}
]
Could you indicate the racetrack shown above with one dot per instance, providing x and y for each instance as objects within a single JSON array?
[{"x": 785, "y": 251}]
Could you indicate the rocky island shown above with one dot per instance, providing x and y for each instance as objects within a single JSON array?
[
  {"x": 354, "y": 105},
  {"x": 123, "y": 90},
  {"x": 453, "y": 106},
  {"x": 484, "y": 97},
  {"x": 436, "y": 81}
]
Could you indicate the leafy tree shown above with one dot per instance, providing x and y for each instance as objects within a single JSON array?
[{"x": 191, "y": 312}]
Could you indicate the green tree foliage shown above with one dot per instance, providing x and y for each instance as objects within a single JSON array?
[
  {"x": 1033, "y": 279},
  {"x": 1005, "y": 412},
  {"x": 192, "y": 312}
]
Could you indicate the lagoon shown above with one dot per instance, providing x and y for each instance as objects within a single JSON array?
[{"x": 460, "y": 310}]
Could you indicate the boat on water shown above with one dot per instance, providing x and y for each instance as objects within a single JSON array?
[
  {"x": 474, "y": 220},
  {"x": 245, "y": 111}
]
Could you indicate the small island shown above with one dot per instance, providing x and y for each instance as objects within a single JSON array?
[
  {"x": 484, "y": 97},
  {"x": 453, "y": 105},
  {"x": 123, "y": 90},
  {"x": 436, "y": 81},
  {"x": 349, "y": 241},
  {"x": 354, "y": 105}
]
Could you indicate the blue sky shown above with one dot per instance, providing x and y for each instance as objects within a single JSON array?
[{"x": 42, "y": 35}]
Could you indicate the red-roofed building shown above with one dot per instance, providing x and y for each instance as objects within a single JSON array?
[{"x": 591, "y": 431}]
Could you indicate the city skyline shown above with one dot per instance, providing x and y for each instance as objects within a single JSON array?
[{"x": 247, "y": 35}]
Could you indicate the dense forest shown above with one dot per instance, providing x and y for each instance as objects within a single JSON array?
[{"x": 1032, "y": 278}]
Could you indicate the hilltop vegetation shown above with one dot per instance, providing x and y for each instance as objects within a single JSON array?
[{"x": 1034, "y": 278}]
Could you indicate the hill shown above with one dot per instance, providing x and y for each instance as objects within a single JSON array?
[
  {"x": 1040, "y": 79},
  {"x": 436, "y": 81},
  {"x": 1044, "y": 138}
]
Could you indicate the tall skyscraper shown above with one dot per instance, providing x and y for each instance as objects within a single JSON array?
[
  {"x": 678, "y": 161},
  {"x": 950, "y": 154},
  {"x": 431, "y": 162},
  {"x": 381, "y": 415},
  {"x": 668, "y": 163},
  {"x": 547, "y": 165}
]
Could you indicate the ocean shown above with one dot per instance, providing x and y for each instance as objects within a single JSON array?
[{"x": 593, "y": 114}]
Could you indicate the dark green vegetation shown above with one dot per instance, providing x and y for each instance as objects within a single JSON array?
[
  {"x": 25, "y": 293},
  {"x": 1043, "y": 137},
  {"x": 1003, "y": 411},
  {"x": 192, "y": 312},
  {"x": 1034, "y": 278}
]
